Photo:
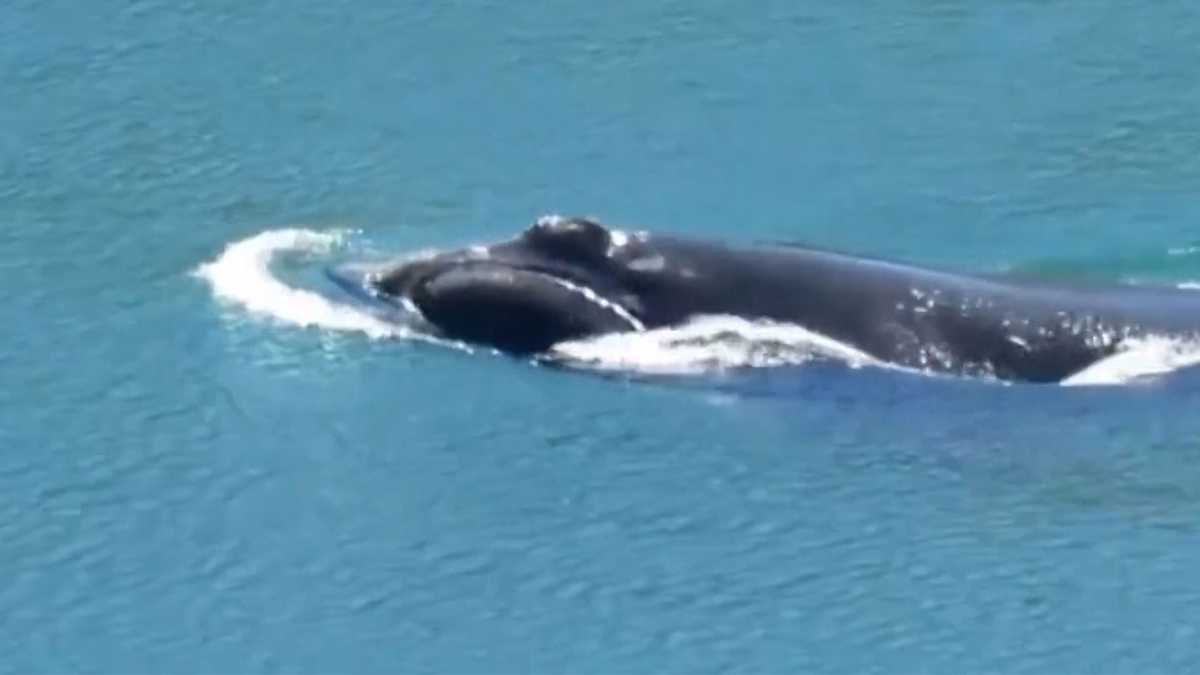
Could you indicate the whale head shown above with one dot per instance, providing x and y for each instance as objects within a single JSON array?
[{"x": 561, "y": 279}]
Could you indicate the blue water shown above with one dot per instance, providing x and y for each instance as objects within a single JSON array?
[{"x": 190, "y": 485}]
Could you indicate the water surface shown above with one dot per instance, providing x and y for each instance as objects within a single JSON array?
[{"x": 187, "y": 485}]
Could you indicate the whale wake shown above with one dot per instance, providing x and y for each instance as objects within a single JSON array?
[{"x": 242, "y": 275}]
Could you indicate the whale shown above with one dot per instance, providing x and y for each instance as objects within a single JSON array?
[{"x": 566, "y": 278}]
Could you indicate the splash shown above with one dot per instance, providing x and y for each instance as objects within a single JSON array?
[
  {"x": 715, "y": 343},
  {"x": 1139, "y": 359},
  {"x": 707, "y": 344},
  {"x": 242, "y": 275}
]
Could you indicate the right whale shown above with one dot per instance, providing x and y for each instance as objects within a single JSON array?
[{"x": 568, "y": 278}]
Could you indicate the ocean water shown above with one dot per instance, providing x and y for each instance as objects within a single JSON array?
[{"x": 210, "y": 461}]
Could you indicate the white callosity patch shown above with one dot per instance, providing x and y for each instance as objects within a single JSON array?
[
  {"x": 652, "y": 263},
  {"x": 617, "y": 240},
  {"x": 550, "y": 220}
]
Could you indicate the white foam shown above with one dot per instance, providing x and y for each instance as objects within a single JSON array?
[
  {"x": 706, "y": 344},
  {"x": 242, "y": 275},
  {"x": 714, "y": 343},
  {"x": 1139, "y": 358}
]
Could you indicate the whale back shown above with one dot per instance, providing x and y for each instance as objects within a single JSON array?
[{"x": 927, "y": 317}]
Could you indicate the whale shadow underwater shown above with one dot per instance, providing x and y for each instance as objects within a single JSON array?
[{"x": 569, "y": 278}]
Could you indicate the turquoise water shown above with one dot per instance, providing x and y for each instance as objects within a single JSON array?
[{"x": 254, "y": 477}]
